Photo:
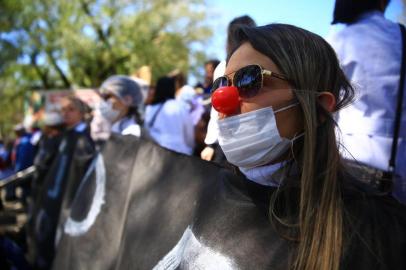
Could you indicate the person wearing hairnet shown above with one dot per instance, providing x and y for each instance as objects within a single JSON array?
[{"x": 121, "y": 98}]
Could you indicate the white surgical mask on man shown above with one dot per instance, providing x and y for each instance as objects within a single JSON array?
[{"x": 252, "y": 139}]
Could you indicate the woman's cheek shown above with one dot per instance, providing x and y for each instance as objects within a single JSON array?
[{"x": 249, "y": 107}]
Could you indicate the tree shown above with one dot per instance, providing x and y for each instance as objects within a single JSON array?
[{"x": 50, "y": 44}]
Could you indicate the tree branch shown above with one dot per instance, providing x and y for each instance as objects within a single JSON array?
[
  {"x": 101, "y": 35},
  {"x": 42, "y": 75},
  {"x": 58, "y": 69}
]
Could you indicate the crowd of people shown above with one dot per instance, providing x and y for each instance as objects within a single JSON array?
[
  {"x": 276, "y": 102},
  {"x": 172, "y": 114}
]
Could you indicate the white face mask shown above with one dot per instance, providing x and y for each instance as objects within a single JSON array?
[
  {"x": 107, "y": 111},
  {"x": 252, "y": 139}
]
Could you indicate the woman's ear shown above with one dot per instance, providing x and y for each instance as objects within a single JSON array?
[{"x": 328, "y": 101}]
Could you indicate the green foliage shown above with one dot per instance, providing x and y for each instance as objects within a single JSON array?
[
  {"x": 48, "y": 44},
  {"x": 11, "y": 102}
]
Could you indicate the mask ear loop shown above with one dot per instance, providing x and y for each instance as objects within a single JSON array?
[
  {"x": 287, "y": 107},
  {"x": 295, "y": 137},
  {"x": 292, "y": 141},
  {"x": 278, "y": 190}
]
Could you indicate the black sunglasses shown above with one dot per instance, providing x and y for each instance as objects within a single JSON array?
[{"x": 248, "y": 80}]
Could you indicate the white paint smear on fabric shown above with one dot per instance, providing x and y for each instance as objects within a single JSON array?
[
  {"x": 76, "y": 228},
  {"x": 189, "y": 254}
]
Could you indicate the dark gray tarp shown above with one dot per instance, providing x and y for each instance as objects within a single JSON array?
[
  {"x": 75, "y": 153},
  {"x": 148, "y": 188},
  {"x": 144, "y": 207},
  {"x": 99, "y": 236}
]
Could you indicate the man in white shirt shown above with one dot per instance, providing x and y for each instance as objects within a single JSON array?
[{"x": 370, "y": 52}]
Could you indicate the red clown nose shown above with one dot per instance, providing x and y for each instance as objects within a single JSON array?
[{"x": 225, "y": 99}]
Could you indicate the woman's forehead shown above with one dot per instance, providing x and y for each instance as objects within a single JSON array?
[{"x": 247, "y": 55}]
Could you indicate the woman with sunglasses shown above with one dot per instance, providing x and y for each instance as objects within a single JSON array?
[{"x": 276, "y": 104}]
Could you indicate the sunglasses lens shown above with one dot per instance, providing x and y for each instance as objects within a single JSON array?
[
  {"x": 248, "y": 80},
  {"x": 219, "y": 82}
]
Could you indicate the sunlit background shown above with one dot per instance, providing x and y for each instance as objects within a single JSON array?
[
  {"x": 313, "y": 15},
  {"x": 54, "y": 44}
]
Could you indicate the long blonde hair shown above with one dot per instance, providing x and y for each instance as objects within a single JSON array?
[{"x": 314, "y": 216}]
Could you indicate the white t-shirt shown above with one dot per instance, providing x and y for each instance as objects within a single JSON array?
[
  {"x": 212, "y": 128},
  {"x": 370, "y": 54},
  {"x": 192, "y": 101},
  {"x": 127, "y": 126},
  {"x": 173, "y": 127}
]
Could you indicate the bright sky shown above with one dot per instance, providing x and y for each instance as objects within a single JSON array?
[{"x": 313, "y": 15}]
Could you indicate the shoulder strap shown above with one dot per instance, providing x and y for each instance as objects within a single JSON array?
[
  {"x": 398, "y": 117},
  {"x": 151, "y": 123}
]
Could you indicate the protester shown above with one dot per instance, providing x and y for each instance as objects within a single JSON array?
[
  {"x": 168, "y": 120},
  {"x": 187, "y": 95},
  {"x": 22, "y": 157},
  {"x": 76, "y": 146},
  {"x": 276, "y": 125},
  {"x": 36, "y": 134},
  {"x": 59, "y": 186},
  {"x": 209, "y": 67},
  {"x": 47, "y": 148},
  {"x": 369, "y": 48},
  {"x": 23, "y": 152},
  {"x": 121, "y": 98},
  {"x": 6, "y": 168},
  {"x": 212, "y": 151},
  {"x": 47, "y": 152},
  {"x": 201, "y": 132}
]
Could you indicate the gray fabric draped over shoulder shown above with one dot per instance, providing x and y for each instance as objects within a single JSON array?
[{"x": 143, "y": 207}]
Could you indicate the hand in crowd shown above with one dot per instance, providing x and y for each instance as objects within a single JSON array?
[{"x": 207, "y": 153}]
